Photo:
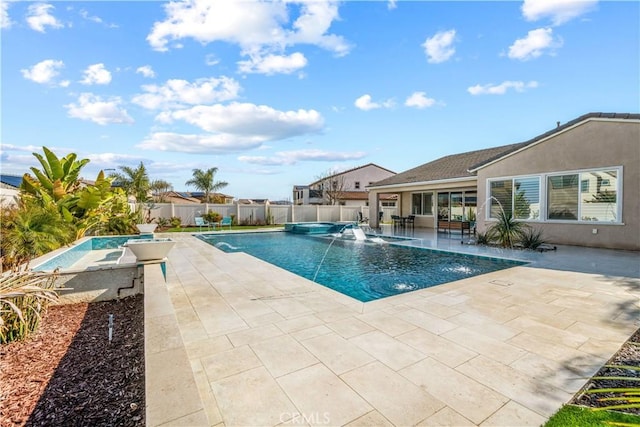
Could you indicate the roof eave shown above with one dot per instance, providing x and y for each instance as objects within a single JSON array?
[{"x": 422, "y": 183}]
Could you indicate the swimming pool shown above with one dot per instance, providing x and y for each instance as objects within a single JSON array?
[{"x": 363, "y": 271}]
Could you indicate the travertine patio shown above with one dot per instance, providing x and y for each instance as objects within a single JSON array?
[{"x": 267, "y": 347}]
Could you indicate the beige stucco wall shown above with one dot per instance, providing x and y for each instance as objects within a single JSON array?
[
  {"x": 405, "y": 192},
  {"x": 592, "y": 144}
]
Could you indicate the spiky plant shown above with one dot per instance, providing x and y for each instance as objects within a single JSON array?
[
  {"x": 531, "y": 238},
  {"x": 24, "y": 296},
  {"x": 507, "y": 231}
]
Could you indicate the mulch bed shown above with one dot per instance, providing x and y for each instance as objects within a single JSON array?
[
  {"x": 628, "y": 355},
  {"x": 69, "y": 374}
]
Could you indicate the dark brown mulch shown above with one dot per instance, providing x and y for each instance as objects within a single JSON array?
[
  {"x": 69, "y": 374},
  {"x": 628, "y": 355}
]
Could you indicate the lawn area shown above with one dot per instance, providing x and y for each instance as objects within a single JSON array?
[{"x": 570, "y": 416}]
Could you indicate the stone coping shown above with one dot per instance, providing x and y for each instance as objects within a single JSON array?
[{"x": 172, "y": 396}]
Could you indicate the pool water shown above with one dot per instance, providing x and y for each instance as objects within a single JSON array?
[
  {"x": 363, "y": 271},
  {"x": 72, "y": 255}
]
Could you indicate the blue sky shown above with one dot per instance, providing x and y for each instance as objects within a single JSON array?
[{"x": 276, "y": 94}]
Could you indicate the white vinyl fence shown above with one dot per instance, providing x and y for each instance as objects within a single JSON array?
[{"x": 260, "y": 214}]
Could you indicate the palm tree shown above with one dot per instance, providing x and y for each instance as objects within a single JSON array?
[
  {"x": 204, "y": 181},
  {"x": 159, "y": 188},
  {"x": 134, "y": 181}
]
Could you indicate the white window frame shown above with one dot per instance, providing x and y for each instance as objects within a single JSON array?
[
  {"x": 543, "y": 179},
  {"x": 432, "y": 201},
  {"x": 619, "y": 199},
  {"x": 541, "y": 196}
]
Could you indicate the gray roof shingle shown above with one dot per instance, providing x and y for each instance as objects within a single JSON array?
[
  {"x": 449, "y": 167},
  {"x": 459, "y": 165}
]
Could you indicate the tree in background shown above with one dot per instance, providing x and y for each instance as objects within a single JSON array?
[
  {"x": 204, "y": 181},
  {"x": 134, "y": 181},
  {"x": 159, "y": 188},
  {"x": 333, "y": 187}
]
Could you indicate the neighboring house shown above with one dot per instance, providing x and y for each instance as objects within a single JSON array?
[
  {"x": 181, "y": 197},
  {"x": 176, "y": 197},
  {"x": 579, "y": 183},
  {"x": 252, "y": 201},
  {"x": 9, "y": 188},
  {"x": 346, "y": 188}
]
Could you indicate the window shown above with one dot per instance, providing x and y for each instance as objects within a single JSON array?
[
  {"x": 584, "y": 186},
  {"x": 422, "y": 203},
  {"x": 518, "y": 197},
  {"x": 593, "y": 202},
  {"x": 357, "y": 185},
  {"x": 562, "y": 197}
]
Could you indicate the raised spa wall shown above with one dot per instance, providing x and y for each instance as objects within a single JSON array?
[
  {"x": 93, "y": 283},
  {"x": 100, "y": 284}
]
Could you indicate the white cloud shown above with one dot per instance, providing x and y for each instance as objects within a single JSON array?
[
  {"x": 179, "y": 93},
  {"x": 261, "y": 29},
  {"x": 272, "y": 64},
  {"x": 246, "y": 119},
  {"x": 559, "y": 11},
  {"x": 94, "y": 108},
  {"x": 232, "y": 128},
  {"x": 96, "y": 74},
  {"x": 38, "y": 17},
  {"x": 44, "y": 72},
  {"x": 146, "y": 71},
  {"x": 5, "y": 20},
  {"x": 534, "y": 44},
  {"x": 501, "y": 89},
  {"x": 439, "y": 48},
  {"x": 293, "y": 157},
  {"x": 392, "y": 4},
  {"x": 365, "y": 103},
  {"x": 88, "y": 17},
  {"x": 203, "y": 143},
  {"x": 211, "y": 59},
  {"x": 419, "y": 100}
]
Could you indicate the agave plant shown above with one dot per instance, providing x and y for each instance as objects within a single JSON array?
[
  {"x": 507, "y": 231},
  {"x": 531, "y": 238},
  {"x": 24, "y": 295}
]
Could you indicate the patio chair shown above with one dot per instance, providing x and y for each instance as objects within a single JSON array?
[
  {"x": 410, "y": 220},
  {"x": 200, "y": 222},
  {"x": 226, "y": 220}
]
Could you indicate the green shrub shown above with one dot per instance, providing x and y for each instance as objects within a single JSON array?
[
  {"x": 176, "y": 221},
  {"x": 212, "y": 217},
  {"x": 163, "y": 222}
]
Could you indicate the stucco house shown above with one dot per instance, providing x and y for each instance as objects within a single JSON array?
[
  {"x": 579, "y": 183},
  {"x": 347, "y": 188}
]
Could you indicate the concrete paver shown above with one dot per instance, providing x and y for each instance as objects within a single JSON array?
[{"x": 269, "y": 348}]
